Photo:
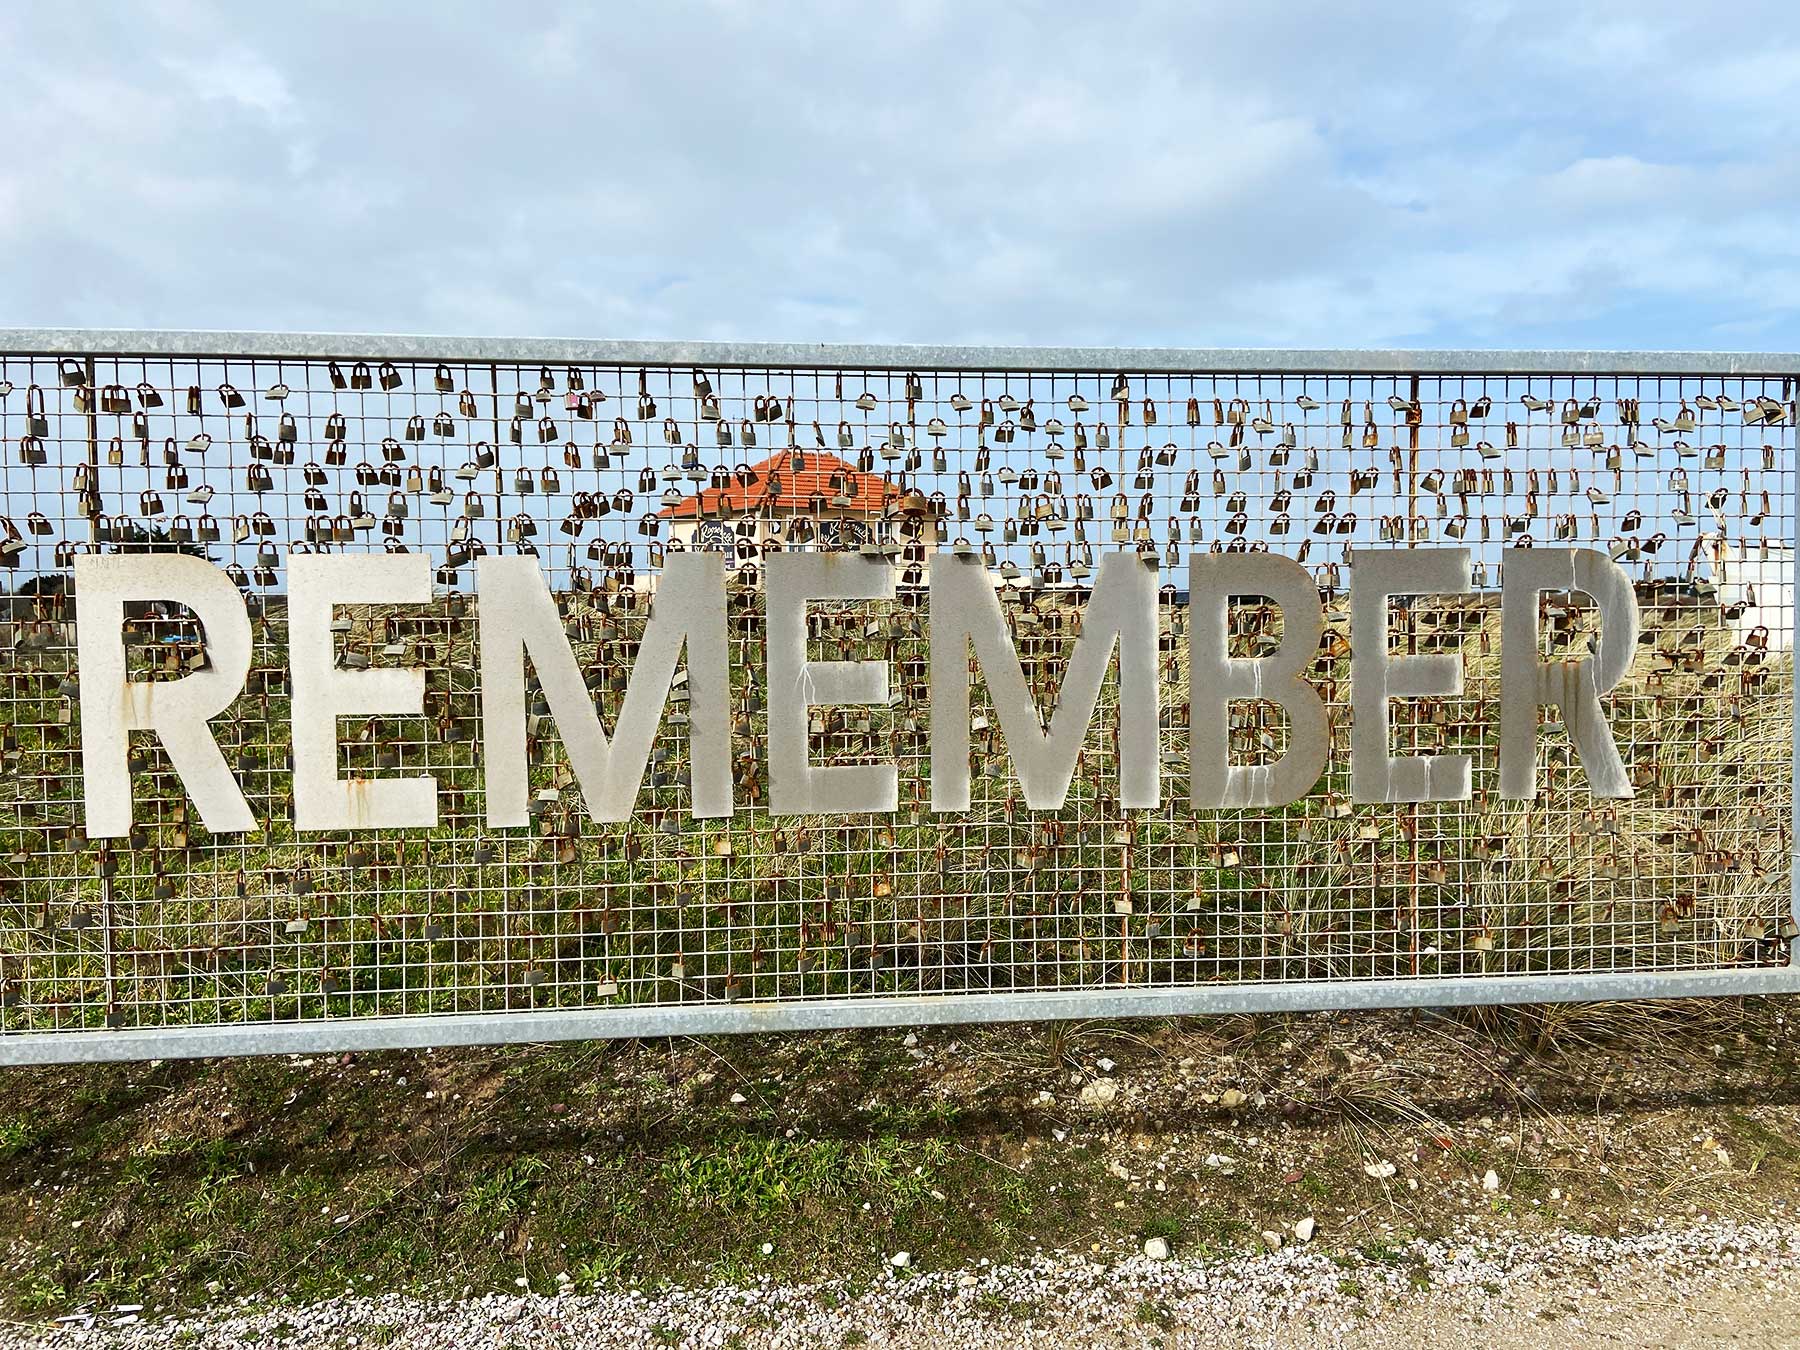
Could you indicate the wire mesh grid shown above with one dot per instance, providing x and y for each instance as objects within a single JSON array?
[{"x": 602, "y": 471}]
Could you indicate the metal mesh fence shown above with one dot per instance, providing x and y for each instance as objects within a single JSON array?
[{"x": 602, "y": 470}]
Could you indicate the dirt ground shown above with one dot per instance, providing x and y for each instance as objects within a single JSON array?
[
  {"x": 1751, "y": 1311},
  {"x": 642, "y": 1166}
]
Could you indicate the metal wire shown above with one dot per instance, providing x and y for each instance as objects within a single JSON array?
[{"x": 599, "y": 470}]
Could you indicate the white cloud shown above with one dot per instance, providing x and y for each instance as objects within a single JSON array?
[
  {"x": 1516, "y": 174},
  {"x": 239, "y": 77}
]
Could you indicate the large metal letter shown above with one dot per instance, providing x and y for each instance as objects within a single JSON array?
[
  {"x": 1376, "y": 677},
  {"x": 517, "y": 617},
  {"x": 1574, "y": 687},
  {"x": 176, "y": 710},
  {"x": 965, "y": 611},
  {"x": 796, "y": 786},
  {"x": 323, "y": 693},
  {"x": 1215, "y": 679}
]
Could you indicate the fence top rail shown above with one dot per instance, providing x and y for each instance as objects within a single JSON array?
[{"x": 864, "y": 356}]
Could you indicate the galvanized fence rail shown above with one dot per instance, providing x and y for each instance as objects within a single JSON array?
[{"x": 601, "y": 460}]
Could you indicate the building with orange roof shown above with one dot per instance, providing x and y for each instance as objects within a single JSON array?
[{"x": 803, "y": 499}]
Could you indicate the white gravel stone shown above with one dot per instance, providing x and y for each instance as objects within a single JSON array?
[
  {"x": 1100, "y": 1092},
  {"x": 1157, "y": 1249},
  {"x": 1235, "y": 1301}
]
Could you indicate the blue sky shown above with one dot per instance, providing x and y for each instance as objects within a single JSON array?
[{"x": 1485, "y": 174}]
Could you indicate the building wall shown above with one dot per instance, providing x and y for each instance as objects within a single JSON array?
[{"x": 1761, "y": 578}]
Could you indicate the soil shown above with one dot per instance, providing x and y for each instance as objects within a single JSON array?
[{"x": 184, "y": 1186}]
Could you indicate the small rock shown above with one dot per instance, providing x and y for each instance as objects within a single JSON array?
[
  {"x": 1381, "y": 1171},
  {"x": 1157, "y": 1249},
  {"x": 1104, "y": 1065},
  {"x": 738, "y": 1099},
  {"x": 1231, "y": 1099},
  {"x": 1491, "y": 1182},
  {"x": 900, "y": 1260},
  {"x": 1305, "y": 1229},
  {"x": 1271, "y": 1239},
  {"x": 1100, "y": 1092}
]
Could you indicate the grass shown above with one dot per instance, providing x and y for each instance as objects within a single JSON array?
[
  {"x": 347, "y": 1187},
  {"x": 764, "y": 1177},
  {"x": 17, "y": 1133},
  {"x": 260, "y": 1175},
  {"x": 148, "y": 1184},
  {"x": 1152, "y": 1314},
  {"x": 666, "y": 910},
  {"x": 1162, "y": 1226},
  {"x": 504, "y": 1192}
]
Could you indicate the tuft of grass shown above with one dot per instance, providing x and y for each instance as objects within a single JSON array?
[
  {"x": 1165, "y": 1226},
  {"x": 763, "y": 1177},
  {"x": 17, "y": 1134},
  {"x": 505, "y": 1190},
  {"x": 1152, "y": 1314}
]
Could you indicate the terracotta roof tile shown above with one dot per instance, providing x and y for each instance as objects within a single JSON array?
[{"x": 779, "y": 486}]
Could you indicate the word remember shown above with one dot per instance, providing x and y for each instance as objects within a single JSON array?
[{"x": 517, "y": 618}]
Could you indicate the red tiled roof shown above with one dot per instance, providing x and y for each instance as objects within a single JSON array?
[{"x": 779, "y": 486}]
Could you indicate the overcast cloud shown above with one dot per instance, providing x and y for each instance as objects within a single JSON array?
[{"x": 1484, "y": 174}]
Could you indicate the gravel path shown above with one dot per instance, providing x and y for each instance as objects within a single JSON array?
[{"x": 1714, "y": 1283}]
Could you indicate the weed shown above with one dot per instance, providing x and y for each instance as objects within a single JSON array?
[
  {"x": 1013, "y": 1309},
  {"x": 602, "y": 1267},
  {"x": 16, "y": 1135},
  {"x": 504, "y": 1191},
  {"x": 1015, "y": 1192},
  {"x": 1165, "y": 1226},
  {"x": 762, "y": 1177},
  {"x": 207, "y": 1198},
  {"x": 1154, "y": 1315},
  {"x": 40, "y": 1293},
  {"x": 1763, "y": 1141}
]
